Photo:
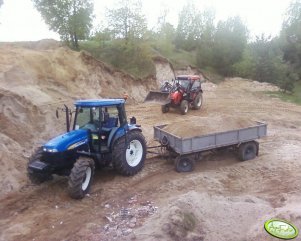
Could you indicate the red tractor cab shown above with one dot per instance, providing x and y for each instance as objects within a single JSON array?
[{"x": 185, "y": 93}]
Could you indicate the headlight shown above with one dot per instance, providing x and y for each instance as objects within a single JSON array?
[
  {"x": 53, "y": 150},
  {"x": 50, "y": 150}
]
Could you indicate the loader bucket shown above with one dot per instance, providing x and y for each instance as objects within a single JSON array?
[{"x": 157, "y": 96}]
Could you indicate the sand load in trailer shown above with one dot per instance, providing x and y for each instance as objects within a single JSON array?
[{"x": 188, "y": 148}]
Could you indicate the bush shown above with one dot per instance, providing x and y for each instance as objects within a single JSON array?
[{"x": 132, "y": 57}]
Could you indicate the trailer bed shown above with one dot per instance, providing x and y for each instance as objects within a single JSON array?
[{"x": 189, "y": 145}]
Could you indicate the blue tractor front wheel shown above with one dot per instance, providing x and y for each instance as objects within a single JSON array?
[{"x": 80, "y": 178}]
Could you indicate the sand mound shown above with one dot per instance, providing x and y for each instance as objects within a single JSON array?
[
  {"x": 12, "y": 164},
  {"x": 249, "y": 85},
  {"x": 17, "y": 116},
  {"x": 199, "y": 216}
]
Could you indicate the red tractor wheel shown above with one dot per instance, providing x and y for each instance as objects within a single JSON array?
[
  {"x": 198, "y": 101},
  {"x": 184, "y": 107}
]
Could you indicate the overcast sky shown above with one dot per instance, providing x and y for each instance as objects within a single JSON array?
[{"x": 19, "y": 21}]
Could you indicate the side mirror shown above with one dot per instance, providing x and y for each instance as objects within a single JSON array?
[{"x": 133, "y": 120}]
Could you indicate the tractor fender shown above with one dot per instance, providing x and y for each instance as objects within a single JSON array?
[{"x": 122, "y": 132}]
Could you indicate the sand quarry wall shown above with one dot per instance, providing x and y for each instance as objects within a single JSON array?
[{"x": 35, "y": 79}]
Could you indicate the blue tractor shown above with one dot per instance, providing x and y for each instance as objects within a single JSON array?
[{"x": 101, "y": 136}]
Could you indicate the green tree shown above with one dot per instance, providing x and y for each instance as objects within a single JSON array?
[
  {"x": 189, "y": 27},
  {"x": 258, "y": 60},
  {"x": 206, "y": 43},
  {"x": 126, "y": 21},
  {"x": 265, "y": 57},
  {"x": 71, "y": 19},
  {"x": 103, "y": 36},
  {"x": 262, "y": 61},
  {"x": 193, "y": 27},
  {"x": 230, "y": 41},
  {"x": 164, "y": 36},
  {"x": 291, "y": 36}
]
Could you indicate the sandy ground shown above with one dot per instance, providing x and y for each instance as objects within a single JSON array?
[{"x": 223, "y": 199}]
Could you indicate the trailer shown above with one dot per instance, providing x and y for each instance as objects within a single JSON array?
[{"x": 187, "y": 150}]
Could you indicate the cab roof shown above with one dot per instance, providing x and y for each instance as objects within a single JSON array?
[
  {"x": 188, "y": 77},
  {"x": 99, "y": 102}
]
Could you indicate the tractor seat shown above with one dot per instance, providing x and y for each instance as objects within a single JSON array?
[{"x": 109, "y": 124}]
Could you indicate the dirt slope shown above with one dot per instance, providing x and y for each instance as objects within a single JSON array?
[
  {"x": 164, "y": 70},
  {"x": 223, "y": 199}
]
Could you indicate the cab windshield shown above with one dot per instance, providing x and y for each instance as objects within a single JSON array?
[
  {"x": 184, "y": 83},
  {"x": 88, "y": 118},
  {"x": 96, "y": 118}
]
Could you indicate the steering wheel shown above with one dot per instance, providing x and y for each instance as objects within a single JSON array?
[
  {"x": 180, "y": 88},
  {"x": 93, "y": 126}
]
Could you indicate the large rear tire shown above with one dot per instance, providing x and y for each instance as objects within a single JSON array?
[
  {"x": 198, "y": 101},
  {"x": 184, "y": 107},
  {"x": 247, "y": 151},
  {"x": 128, "y": 158},
  {"x": 81, "y": 177},
  {"x": 35, "y": 177}
]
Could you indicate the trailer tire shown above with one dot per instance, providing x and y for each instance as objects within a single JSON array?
[
  {"x": 34, "y": 177},
  {"x": 247, "y": 151},
  {"x": 184, "y": 107},
  {"x": 184, "y": 164},
  {"x": 129, "y": 159},
  {"x": 198, "y": 101},
  {"x": 81, "y": 177},
  {"x": 164, "y": 108}
]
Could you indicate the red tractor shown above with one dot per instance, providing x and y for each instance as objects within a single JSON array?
[{"x": 186, "y": 92}]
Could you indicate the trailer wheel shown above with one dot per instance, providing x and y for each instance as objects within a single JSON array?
[
  {"x": 164, "y": 108},
  {"x": 184, "y": 107},
  {"x": 34, "y": 177},
  {"x": 128, "y": 158},
  {"x": 247, "y": 151},
  {"x": 80, "y": 178},
  {"x": 184, "y": 164}
]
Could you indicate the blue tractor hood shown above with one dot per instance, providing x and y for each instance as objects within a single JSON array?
[{"x": 67, "y": 141}]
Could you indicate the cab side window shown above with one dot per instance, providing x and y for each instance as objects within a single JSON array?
[
  {"x": 112, "y": 117},
  {"x": 196, "y": 85}
]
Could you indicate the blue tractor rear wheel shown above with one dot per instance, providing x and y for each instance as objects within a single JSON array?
[{"x": 129, "y": 153}]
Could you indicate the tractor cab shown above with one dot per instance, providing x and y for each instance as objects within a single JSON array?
[
  {"x": 189, "y": 82},
  {"x": 102, "y": 119}
]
